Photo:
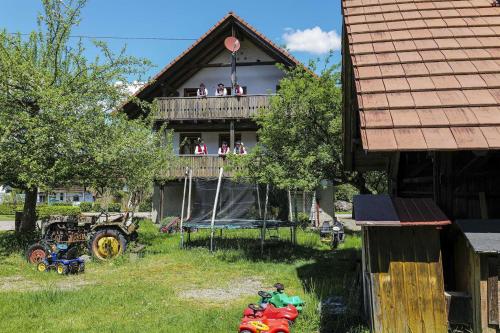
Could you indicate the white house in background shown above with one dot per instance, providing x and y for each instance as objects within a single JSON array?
[
  {"x": 3, "y": 191},
  {"x": 72, "y": 195},
  {"x": 213, "y": 119}
]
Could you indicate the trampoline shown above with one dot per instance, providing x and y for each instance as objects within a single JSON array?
[{"x": 223, "y": 203}]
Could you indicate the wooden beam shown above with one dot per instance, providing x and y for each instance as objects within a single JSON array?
[
  {"x": 231, "y": 135},
  {"x": 492, "y": 288},
  {"x": 240, "y": 64}
]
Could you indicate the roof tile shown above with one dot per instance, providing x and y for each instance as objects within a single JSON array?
[
  {"x": 396, "y": 84},
  {"x": 405, "y": 45},
  {"x": 445, "y": 82},
  {"x": 374, "y": 101},
  {"x": 471, "y": 81},
  {"x": 439, "y": 67},
  {"x": 452, "y": 98},
  {"x": 374, "y": 85},
  {"x": 487, "y": 115},
  {"x": 381, "y": 139},
  {"x": 432, "y": 117},
  {"x": 492, "y": 136},
  {"x": 369, "y": 72},
  {"x": 426, "y": 98},
  {"x": 431, "y": 55},
  {"x": 492, "y": 80},
  {"x": 421, "y": 83},
  {"x": 410, "y": 139},
  {"x": 460, "y": 116},
  {"x": 405, "y": 118},
  {"x": 392, "y": 70},
  {"x": 439, "y": 138},
  {"x": 469, "y": 138},
  {"x": 400, "y": 100},
  {"x": 378, "y": 118},
  {"x": 462, "y": 67},
  {"x": 415, "y": 69},
  {"x": 479, "y": 97}
]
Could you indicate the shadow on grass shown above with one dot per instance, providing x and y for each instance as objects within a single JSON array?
[{"x": 11, "y": 242}]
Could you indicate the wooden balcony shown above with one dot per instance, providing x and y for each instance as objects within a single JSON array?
[
  {"x": 208, "y": 108},
  {"x": 203, "y": 166}
]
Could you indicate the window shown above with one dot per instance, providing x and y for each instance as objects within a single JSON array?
[
  {"x": 76, "y": 198},
  {"x": 227, "y": 137},
  {"x": 190, "y": 92},
  {"x": 61, "y": 196},
  {"x": 187, "y": 143}
]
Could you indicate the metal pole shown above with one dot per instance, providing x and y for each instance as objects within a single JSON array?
[
  {"x": 263, "y": 232},
  {"x": 290, "y": 214},
  {"x": 258, "y": 201},
  {"x": 214, "y": 212},
  {"x": 189, "y": 195},
  {"x": 182, "y": 212}
]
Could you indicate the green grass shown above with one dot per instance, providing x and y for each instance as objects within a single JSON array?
[
  {"x": 146, "y": 294},
  {"x": 7, "y": 217}
]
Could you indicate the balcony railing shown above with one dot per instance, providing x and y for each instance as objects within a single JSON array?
[
  {"x": 203, "y": 166},
  {"x": 194, "y": 108}
]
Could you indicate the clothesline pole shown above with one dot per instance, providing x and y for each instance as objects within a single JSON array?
[
  {"x": 182, "y": 212},
  {"x": 263, "y": 232},
  {"x": 214, "y": 212}
]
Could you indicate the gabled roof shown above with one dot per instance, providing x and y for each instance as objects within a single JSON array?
[
  {"x": 427, "y": 73},
  {"x": 211, "y": 43}
]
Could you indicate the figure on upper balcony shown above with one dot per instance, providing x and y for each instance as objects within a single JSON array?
[
  {"x": 220, "y": 91},
  {"x": 240, "y": 149},
  {"x": 224, "y": 149},
  {"x": 202, "y": 91},
  {"x": 201, "y": 148},
  {"x": 238, "y": 90}
]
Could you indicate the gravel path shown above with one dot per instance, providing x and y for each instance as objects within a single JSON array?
[{"x": 7, "y": 225}]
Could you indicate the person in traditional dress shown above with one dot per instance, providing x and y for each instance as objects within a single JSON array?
[
  {"x": 220, "y": 91},
  {"x": 240, "y": 149},
  {"x": 224, "y": 149},
  {"x": 201, "y": 148},
  {"x": 202, "y": 91},
  {"x": 238, "y": 90}
]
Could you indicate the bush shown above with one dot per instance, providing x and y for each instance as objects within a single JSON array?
[
  {"x": 114, "y": 207},
  {"x": 46, "y": 211},
  {"x": 60, "y": 204},
  {"x": 146, "y": 205},
  {"x": 86, "y": 207},
  {"x": 345, "y": 192},
  {"x": 96, "y": 207},
  {"x": 6, "y": 209}
]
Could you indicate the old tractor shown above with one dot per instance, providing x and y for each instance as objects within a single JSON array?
[{"x": 106, "y": 235}]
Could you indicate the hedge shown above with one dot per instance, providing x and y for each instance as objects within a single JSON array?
[
  {"x": 46, "y": 211},
  {"x": 6, "y": 209},
  {"x": 86, "y": 207}
]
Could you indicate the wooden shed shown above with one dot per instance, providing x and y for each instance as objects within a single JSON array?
[
  {"x": 402, "y": 268},
  {"x": 477, "y": 270}
]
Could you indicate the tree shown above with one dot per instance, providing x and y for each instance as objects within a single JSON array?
[
  {"x": 300, "y": 135},
  {"x": 52, "y": 103}
]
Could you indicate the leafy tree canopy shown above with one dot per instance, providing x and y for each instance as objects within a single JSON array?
[{"x": 300, "y": 136}]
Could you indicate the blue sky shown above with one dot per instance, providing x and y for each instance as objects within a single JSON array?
[{"x": 293, "y": 22}]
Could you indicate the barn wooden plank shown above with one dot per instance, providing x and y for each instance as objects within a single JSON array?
[
  {"x": 423, "y": 281},
  {"x": 397, "y": 278},
  {"x": 492, "y": 289},
  {"x": 386, "y": 288}
]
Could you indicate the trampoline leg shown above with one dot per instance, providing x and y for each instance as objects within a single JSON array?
[{"x": 189, "y": 235}]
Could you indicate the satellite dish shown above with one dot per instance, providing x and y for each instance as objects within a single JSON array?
[{"x": 232, "y": 44}]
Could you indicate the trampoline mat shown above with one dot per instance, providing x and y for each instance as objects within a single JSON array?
[{"x": 235, "y": 224}]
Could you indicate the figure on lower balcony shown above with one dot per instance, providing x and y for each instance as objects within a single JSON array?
[
  {"x": 238, "y": 90},
  {"x": 201, "y": 148},
  {"x": 224, "y": 149},
  {"x": 240, "y": 149}
]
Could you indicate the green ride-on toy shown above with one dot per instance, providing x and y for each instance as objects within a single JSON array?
[{"x": 280, "y": 299}]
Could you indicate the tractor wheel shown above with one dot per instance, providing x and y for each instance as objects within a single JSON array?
[
  {"x": 107, "y": 244},
  {"x": 36, "y": 253},
  {"x": 61, "y": 269},
  {"x": 41, "y": 267}
]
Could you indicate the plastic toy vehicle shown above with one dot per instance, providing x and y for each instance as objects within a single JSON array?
[
  {"x": 61, "y": 266},
  {"x": 333, "y": 234},
  {"x": 280, "y": 299},
  {"x": 269, "y": 311},
  {"x": 254, "y": 322}
]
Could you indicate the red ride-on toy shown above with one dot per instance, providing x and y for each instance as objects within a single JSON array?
[
  {"x": 269, "y": 311},
  {"x": 255, "y": 322}
]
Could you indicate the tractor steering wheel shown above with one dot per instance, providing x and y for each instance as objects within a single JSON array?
[
  {"x": 264, "y": 294},
  {"x": 255, "y": 307}
]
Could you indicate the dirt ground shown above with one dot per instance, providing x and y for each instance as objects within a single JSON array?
[
  {"x": 21, "y": 284},
  {"x": 236, "y": 289}
]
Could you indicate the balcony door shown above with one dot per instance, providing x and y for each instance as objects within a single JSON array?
[
  {"x": 226, "y": 137},
  {"x": 187, "y": 143}
]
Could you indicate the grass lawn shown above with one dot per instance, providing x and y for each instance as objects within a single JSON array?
[
  {"x": 7, "y": 217},
  {"x": 173, "y": 290}
]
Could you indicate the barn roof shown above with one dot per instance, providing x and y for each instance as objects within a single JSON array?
[
  {"x": 483, "y": 235},
  {"x": 427, "y": 73},
  {"x": 199, "y": 53},
  {"x": 385, "y": 211}
]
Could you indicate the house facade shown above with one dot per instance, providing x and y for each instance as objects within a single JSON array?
[
  {"x": 73, "y": 195},
  {"x": 422, "y": 102},
  {"x": 213, "y": 119}
]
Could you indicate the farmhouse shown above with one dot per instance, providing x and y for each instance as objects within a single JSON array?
[
  {"x": 422, "y": 102},
  {"x": 214, "y": 119}
]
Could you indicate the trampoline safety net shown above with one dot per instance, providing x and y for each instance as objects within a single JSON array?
[{"x": 240, "y": 205}]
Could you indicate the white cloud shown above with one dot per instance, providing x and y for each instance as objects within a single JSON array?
[
  {"x": 313, "y": 40},
  {"x": 130, "y": 88}
]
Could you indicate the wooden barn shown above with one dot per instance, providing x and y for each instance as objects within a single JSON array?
[{"x": 421, "y": 101}]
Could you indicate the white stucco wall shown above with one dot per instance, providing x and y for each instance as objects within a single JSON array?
[
  {"x": 260, "y": 79},
  {"x": 211, "y": 139}
]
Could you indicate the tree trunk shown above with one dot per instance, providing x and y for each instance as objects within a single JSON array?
[
  {"x": 359, "y": 182},
  {"x": 28, "y": 223}
]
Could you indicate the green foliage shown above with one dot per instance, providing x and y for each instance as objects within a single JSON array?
[
  {"x": 86, "y": 207},
  {"x": 7, "y": 209},
  {"x": 55, "y": 125},
  {"x": 167, "y": 220},
  {"x": 96, "y": 207},
  {"x": 146, "y": 204},
  {"x": 345, "y": 192},
  {"x": 60, "y": 204},
  {"x": 114, "y": 207},
  {"x": 44, "y": 211},
  {"x": 300, "y": 136}
]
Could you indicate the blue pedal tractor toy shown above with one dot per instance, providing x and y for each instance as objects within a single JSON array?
[{"x": 62, "y": 266}]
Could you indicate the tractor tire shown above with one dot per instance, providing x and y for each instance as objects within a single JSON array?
[
  {"x": 36, "y": 253},
  {"x": 61, "y": 269},
  {"x": 107, "y": 244},
  {"x": 41, "y": 267}
]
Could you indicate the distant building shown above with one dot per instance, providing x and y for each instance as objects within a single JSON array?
[{"x": 73, "y": 195}]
